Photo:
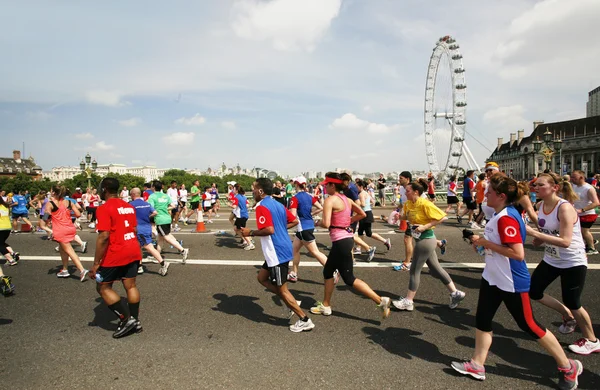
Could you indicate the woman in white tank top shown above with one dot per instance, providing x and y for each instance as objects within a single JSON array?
[{"x": 564, "y": 257}]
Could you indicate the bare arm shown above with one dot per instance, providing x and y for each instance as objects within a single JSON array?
[
  {"x": 513, "y": 251},
  {"x": 358, "y": 213},
  {"x": 528, "y": 207},
  {"x": 594, "y": 198}
]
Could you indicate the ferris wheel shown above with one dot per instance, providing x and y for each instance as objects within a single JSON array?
[{"x": 446, "y": 111}]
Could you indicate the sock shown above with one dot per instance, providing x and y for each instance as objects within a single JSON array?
[
  {"x": 305, "y": 319},
  {"x": 134, "y": 309},
  {"x": 118, "y": 309}
]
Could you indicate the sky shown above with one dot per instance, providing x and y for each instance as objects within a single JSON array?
[{"x": 286, "y": 85}]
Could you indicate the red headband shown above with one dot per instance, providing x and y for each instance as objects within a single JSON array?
[{"x": 331, "y": 180}]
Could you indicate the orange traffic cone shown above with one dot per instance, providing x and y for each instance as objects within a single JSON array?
[
  {"x": 200, "y": 221},
  {"x": 403, "y": 225}
]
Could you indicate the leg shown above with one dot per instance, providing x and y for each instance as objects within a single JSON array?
[
  {"x": 359, "y": 241},
  {"x": 490, "y": 298},
  {"x": 286, "y": 296},
  {"x": 133, "y": 297},
  {"x": 296, "y": 245},
  {"x": 66, "y": 251},
  {"x": 171, "y": 240},
  {"x": 156, "y": 254},
  {"x": 422, "y": 253},
  {"x": 314, "y": 250},
  {"x": 408, "y": 249},
  {"x": 588, "y": 238}
]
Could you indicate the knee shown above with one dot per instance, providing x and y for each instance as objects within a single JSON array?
[
  {"x": 535, "y": 295},
  {"x": 348, "y": 278}
]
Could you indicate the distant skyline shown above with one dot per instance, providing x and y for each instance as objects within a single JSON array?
[{"x": 287, "y": 85}]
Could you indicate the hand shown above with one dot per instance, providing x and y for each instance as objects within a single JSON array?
[
  {"x": 537, "y": 242},
  {"x": 245, "y": 231},
  {"x": 93, "y": 270},
  {"x": 479, "y": 241},
  {"x": 420, "y": 229}
]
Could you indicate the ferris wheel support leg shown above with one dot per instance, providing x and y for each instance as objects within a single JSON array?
[{"x": 470, "y": 159}]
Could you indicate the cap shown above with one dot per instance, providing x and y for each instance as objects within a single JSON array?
[
  {"x": 231, "y": 183},
  {"x": 331, "y": 180},
  {"x": 77, "y": 189},
  {"x": 492, "y": 166},
  {"x": 300, "y": 180}
]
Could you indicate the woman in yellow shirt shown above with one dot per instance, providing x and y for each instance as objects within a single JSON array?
[
  {"x": 423, "y": 216},
  {"x": 11, "y": 256}
]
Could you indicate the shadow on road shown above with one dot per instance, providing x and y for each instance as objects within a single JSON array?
[
  {"x": 245, "y": 306},
  {"x": 103, "y": 317},
  {"x": 5, "y": 321}
]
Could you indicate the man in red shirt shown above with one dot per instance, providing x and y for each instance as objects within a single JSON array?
[{"x": 117, "y": 256}]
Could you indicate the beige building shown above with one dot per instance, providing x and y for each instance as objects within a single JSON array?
[{"x": 579, "y": 149}]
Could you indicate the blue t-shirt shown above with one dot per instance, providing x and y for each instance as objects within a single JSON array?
[
  {"x": 467, "y": 188},
  {"x": 303, "y": 203},
  {"x": 242, "y": 203},
  {"x": 21, "y": 206},
  {"x": 143, "y": 210},
  {"x": 352, "y": 191}
]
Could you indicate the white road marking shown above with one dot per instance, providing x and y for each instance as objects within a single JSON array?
[{"x": 373, "y": 264}]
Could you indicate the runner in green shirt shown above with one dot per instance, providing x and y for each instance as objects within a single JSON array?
[
  {"x": 194, "y": 195},
  {"x": 289, "y": 192}
]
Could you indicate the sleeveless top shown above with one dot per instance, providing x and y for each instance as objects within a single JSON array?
[
  {"x": 558, "y": 257},
  {"x": 367, "y": 206},
  {"x": 61, "y": 220},
  {"x": 340, "y": 221},
  {"x": 584, "y": 200}
]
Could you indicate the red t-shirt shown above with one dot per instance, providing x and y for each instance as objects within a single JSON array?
[{"x": 118, "y": 217}]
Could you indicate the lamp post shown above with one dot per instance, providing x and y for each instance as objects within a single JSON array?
[
  {"x": 88, "y": 167},
  {"x": 550, "y": 147}
]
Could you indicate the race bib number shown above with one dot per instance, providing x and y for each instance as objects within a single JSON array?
[
  {"x": 415, "y": 233},
  {"x": 552, "y": 251},
  {"x": 96, "y": 204}
]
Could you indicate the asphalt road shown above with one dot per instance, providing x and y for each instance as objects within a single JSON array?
[{"x": 209, "y": 324}]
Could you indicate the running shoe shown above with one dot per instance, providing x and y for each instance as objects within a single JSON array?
[
  {"x": 404, "y": 304},
  {"x": 371, "y": 254},
  {"x": 591, "y": 251},
  {"x": 84, "y": 247},
  {"x": 455, "y": 298},
  {"x": 83, "y": 274},
  {"x": 177, "y": 229},
  {"x": 402, "y": 267},
  {"x": 184, "y": 255},
  {"x": 356, "y": 251},
  {"x": 57, "y": 249},
  {"x": 469, "y": 368},
  {"x": 302, "y": 326},
  {"x": 63, "y": 273},
  {"x": 6, "y": 286},
  {"x": 217, "y": 216},
  {"x": 16, "y": 256},
  {"x": 292, "y": 277},
  {"x": 474, "y": 225},
  {"x": 140, "y": 270},
  {"x": 249, "y": 247},
  {"x": 568, "y": 376},
  {"x": 289, "y": 313},
  {"x": 584, "y": 346},
  {"x": 336, "y": 276},
  {"x": 459, "y": 219},
  {"x": 596, "y": 242},
  {"x": 164, "y": 269},
  {"x": 321, "y": 309},
  {"x": 125, "y": 327},
  {"x": 388, "y": 244},
  {"x": 209, "y": 221},
  {"x": 443, "y": 246},
  {"x": 568, "y": 326},
  {"x": 384, "y": 306},
  {"x": 11, "y": 262},
  {"x": 92, "y": 226},
  {"x": 138, "y": 327}
]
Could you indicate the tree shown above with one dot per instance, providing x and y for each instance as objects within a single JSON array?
[{"x": 127, "y": 180}]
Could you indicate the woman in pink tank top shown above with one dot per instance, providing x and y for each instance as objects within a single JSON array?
[
  {"x": 64, "y": 231},
  {"x": 337, "y": 218}
]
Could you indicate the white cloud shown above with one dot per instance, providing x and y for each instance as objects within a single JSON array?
[
  {"x": 136, "y": 161},
  {"x": 288, "y": 24},
  {"x": 179, "y": 138},
  {"x": 131, "y": 122},
  {"x": 351, "y": 122},
  {"x": 105, "y": 98},
  {"x": 101, "y": 146},
  {"x": 229, "y": 125},
  {"x": 38, "y": 115},
  {"x": 507, "y": 119},
  {"x": 196, "y": 120},
  {"x": 84, "y": 136}
]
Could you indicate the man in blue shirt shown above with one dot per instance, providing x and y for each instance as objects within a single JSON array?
[
  {"x": 468, "y": 200},
  {"x": 19, "y": 210},
  {"x": 143, "y": 212}
]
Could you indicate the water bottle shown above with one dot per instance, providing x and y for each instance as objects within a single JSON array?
[
  {"x": 481, "y": 250},
  {"x": 467, "y": 236},
  {"x": 99, "y": 277},
  {"x": 221, "y": 233}
]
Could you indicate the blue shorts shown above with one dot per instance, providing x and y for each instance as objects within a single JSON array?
[{"x": 144, "y": 238}]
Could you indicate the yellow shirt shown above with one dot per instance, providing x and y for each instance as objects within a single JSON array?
[
  {"x": 4, "y": 218},
  {"x": 422, "y": 212}
]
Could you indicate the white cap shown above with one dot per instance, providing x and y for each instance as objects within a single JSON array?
[
  {"x": 300, "y": 180},
  {"x": 231, "y": 183}
]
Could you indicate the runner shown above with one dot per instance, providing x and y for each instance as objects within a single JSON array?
[
  {"x": 117, "y": 257},
  {"x": 214, "y": 200},
  {"x": 143, "y": 212},
  {"x": 230, "y": 199},
  {"x": 381, "y": 189},
  {"x": 9, "y": 254},
  {"x": 173, "y": 193},
  {"x": 404, "y": 179},
  {"x": 183, "y": 198},
  {"x": 125, "y": 194},
  {"x": 452, "y": 198},
  {"x": 19, "y": 211},
  {"x": 147, "y": 191},
  {"x": 273, "y": 221},
  {"x": 564, "y": 256},
  {"x": 162, "y": 204},
  {"x": 431, "y": 188},
  {"x": 194, "y": 195},
  {"x": 506, "y": 279},
  {"x": 424, "y": 215},
  {"x": 303, "y": 205},
  {"x": 74, "y": 221},
  {"x": 289, "y": 192},
  {"x": 337, "y": 218},
  {"x": 351, "y": 192},
  {"x": 469, "y": 200},
  {"x": 207, "y": 205},
  {"x": 39, "y": 203},
  {"x": 240, "y": 210},
  {"x": 64, "y": 231},
  {"x": 94, "y": 200},
  {"x": 365, "y": 201},
  {"x": 586, "y": 209}
]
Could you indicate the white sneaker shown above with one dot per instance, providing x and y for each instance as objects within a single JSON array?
[
  {"x": 92, "y": 226},
  {"x": 184, "y": 255},
  {"x": 249, "y": 247},
  {"x": 82, "y": 275},
  {"x": 63, "y": 273},
  {"x": 384, "y": 306},
  {"x": 320, "y": 309},
  {"x": 455, "y": 298},
  {"x": 568, "y": 326},
  {"x": 404, "y": 304},
  {"x": 301, "y": 326},
  {"x": 57, "y": 249},
  {"x": 140, "y": 270},
  {"x": 164, "y": 269},
  {"x": 84, "y": 247},
  {"x": 584, "y": 346}
]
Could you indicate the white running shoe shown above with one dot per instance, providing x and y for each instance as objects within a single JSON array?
[
  {"x": 184, "y": 255},
  {"x": 320, "y": 309},
  {"x": 164, "y": 269},
  {"x": 140, "y": 270},
  {"x": 57, "y": 249},
  {"x": 63, "y": 273},
  {"x": 84, "y": 247},
  {"x": 92, "y": 226},
  {"x": 249, "y": 247},
  {"x": 584, "y": 346},
  {"x": 384, "y": 306},
  {"x": 455, "y": 298},
  {"x": 404, "y": 304},
  {"x": 301, "y": 326}
]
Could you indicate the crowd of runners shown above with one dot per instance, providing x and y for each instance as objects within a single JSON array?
[{"x": 556, "y": 211}]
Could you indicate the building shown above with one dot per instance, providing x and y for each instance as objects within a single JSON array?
[
  {"x": 593, "y": 104},
  {"x": 10, "y": 167},
  {"x": 579, "y": 149},
  {"x": 148, "y": 172}
]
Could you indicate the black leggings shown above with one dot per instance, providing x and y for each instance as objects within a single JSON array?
[
  {"x": 340, "y": 258},
  {"x": 4, "y": 234},
  {"x": 518, "y": 305},
  {"x": 365, "y": 228},
  {"x": 571, "y": 283}
]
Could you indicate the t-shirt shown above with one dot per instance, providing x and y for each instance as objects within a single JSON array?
[
  {"x": 118, "y": 218},
  {"x": 451, "y": 188},
  {"x": 421, "y": 212},
  {"x": 147, "y": 194},
  {"x": 4, "y": 218},
  {"x": 479, "y": 193},
  {"x": 21, "y": 206},
  {"x": 143, "y": 210},
  {"x": 277, "y": 248},
  {"x": 468, "y": 185},
  {"x": 351, "y": 191},
  {"x": 288, "y": 190},
  {"x": 206, "y": 199},
  {"x": 381, "y": 183},
  {"x": 77, "y": 196},
  {"x": 277, "y": 195},
  {"x": 195, "y": 198},
  {"x": 183, "y": 195},
  {"x": 240, "y": 204},
  {"x": 172, "y": 192},
  {"x": 161, "y": 201},
  {"x": 303, "y": 203},
  {"x": 125, "y": 195}
]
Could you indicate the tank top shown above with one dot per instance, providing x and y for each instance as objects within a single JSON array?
[
  {"x": 584, "y": 200},
  {"x": 451, "y": 188},
  {"x": 61, "y": 218},
  {"x": 558, "y": 257},
  {"x": 367, "y": 206},
  {"x": 341, "y": 221}
]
